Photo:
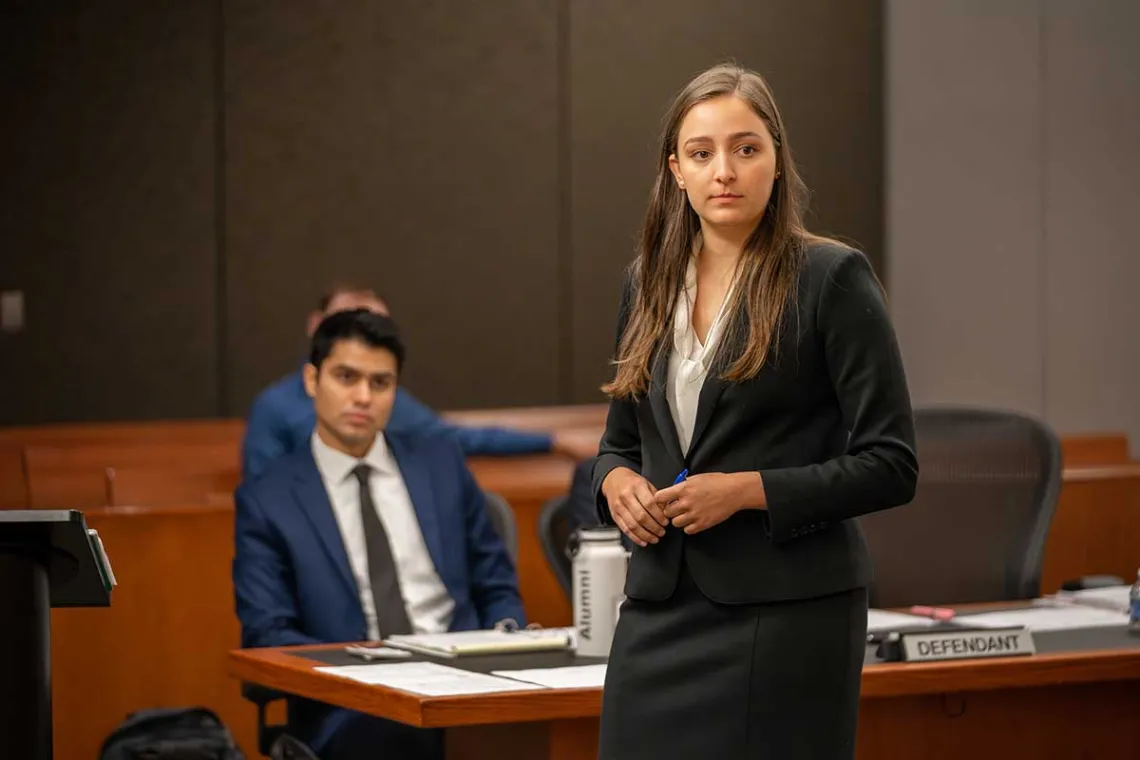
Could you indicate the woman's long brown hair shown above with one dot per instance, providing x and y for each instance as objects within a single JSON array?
[{"x": 770, "y": 261}]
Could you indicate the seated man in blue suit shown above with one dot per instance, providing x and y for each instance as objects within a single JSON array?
[
  {"x": 281, "y": 419},
  {"x": 365, "y": 532}
]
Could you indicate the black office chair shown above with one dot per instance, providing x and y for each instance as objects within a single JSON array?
[
  {"x": 503, "y": 517},
  {"x": 555, "y": 526},
  {"x": 975, "y": 531}
]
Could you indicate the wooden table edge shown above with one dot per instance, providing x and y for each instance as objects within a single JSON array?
[
  {"x": 282, "y": 669},
  {"x": 902, "y": 679},
  {"x": 279, "y": 668}
]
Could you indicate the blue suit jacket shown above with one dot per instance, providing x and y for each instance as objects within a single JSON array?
[
  {"x": 282, "y": 420},
  {"x": 292, "y": 580}
]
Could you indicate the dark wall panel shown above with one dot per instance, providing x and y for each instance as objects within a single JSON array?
[
  {"x": 412, "y": 146},
  {"x": 107, "y": 219},
  {"x": 484, "y": 165},
  {"x": 628, "y": 59}
]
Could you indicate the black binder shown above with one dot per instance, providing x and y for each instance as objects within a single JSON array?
[{"x": 48, "y": 558}]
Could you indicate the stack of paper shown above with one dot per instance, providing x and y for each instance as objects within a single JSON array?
[
  {"x": 1046, "y": 618},
  {"x": 575, "y": 677},
  {"x": 1107, "y": 598},
  {"x": 483, "y": 642},
  {"x": 884, "y": 620},
  {"x": 427, "y": 678}
]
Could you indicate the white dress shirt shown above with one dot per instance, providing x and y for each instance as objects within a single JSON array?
[
  {"x": 426, "y": 599},
  {"x": 689, "y": 360}
]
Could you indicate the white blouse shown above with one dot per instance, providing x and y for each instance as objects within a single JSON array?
[{"x": 689, "y": 360}]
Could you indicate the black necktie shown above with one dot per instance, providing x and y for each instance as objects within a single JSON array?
[{"x": 391, "y": 614}]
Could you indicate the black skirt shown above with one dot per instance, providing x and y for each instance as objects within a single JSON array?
[{"x": 689, "y": 678}]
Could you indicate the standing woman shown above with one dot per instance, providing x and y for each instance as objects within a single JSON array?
[{"x": 759, "y": 404}]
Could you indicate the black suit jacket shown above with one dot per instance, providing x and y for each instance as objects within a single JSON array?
[{"x": 828, "y": 424}]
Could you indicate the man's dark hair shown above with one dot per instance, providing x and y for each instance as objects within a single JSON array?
[{"x": 369, "y": 328}]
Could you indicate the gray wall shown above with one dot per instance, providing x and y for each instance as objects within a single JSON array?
[
  {"x": 1012, "y": 165},
  {"x": 183, "y": 178}
]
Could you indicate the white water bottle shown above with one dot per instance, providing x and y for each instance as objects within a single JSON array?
[{"x": 599, "y": 565}]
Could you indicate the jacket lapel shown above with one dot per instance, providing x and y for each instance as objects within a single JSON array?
[
  {"x": 314, "y": 503},
  {"x": 659, "y": 403},
  {"x": 417, "y": 479},
  {"x": 713, "y": 387},
  {"x": 706, "y": 403}
]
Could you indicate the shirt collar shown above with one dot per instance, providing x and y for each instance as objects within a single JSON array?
[{"x": 337, "y": 466}]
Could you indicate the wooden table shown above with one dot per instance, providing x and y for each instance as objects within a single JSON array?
[{"x": 1057, "y": 704}]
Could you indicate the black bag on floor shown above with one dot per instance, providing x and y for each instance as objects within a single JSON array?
[{"x": 193, "y": 733}]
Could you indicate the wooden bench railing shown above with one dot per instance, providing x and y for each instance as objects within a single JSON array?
[
  {"x": 1096, "y": 525},
  {"x": 76, "y": 475},
  {"x": 151, "y": 431},
  {"x": 574, "y": 417},
  {"x": 1093, "y": 449},
  {"x": 157, "y": 487}
]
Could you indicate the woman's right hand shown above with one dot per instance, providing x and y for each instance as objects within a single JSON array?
[{"x": 633, "y": 507}]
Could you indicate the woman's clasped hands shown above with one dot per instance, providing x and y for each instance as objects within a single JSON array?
[{"x": 695, "y": 504}]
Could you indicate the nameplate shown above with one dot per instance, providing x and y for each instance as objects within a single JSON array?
[{"x": 948, "y": 644}]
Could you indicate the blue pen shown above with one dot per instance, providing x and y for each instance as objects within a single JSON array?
[{"x": 680, "y": 478}]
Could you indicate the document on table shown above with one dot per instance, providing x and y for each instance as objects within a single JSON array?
[
  {"x": 427, "y": 678},
  {"x": 1107, "y": 597},
  {"x": 884, "y": 620},
  {"x": 573, "y": 677},
  {"x": 1045, "y": 618},
  {"x": 457, "y": 643}
]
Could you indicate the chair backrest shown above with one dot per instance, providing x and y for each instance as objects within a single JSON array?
[
  {"x": 503, "y": 518},
  {"x": 555, "y": 526},
  {"x": 987, "y": 488}
]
